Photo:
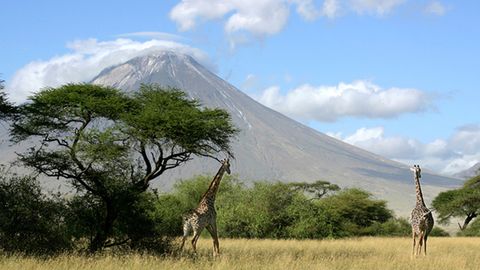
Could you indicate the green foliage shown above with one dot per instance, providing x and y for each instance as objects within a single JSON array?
[
  {"x": 169, "y": 114},
  {"x": 7, "y": 109},
  {"x": 168, "y": 213},
  {"x": 189, "y": 192},
  {"x": 310, "y": 220},
  {"x": 316, "y": 189},
  {"x": 355, "y": 211},
  {"x": 140, "y": 223},
  {"x": 84, "y": 215},
  {"x": 110, "y": 146},
  {"x": 439, "y": 232},
  {"x": 472, "y": 230},
  {"x": 53, "y": 112},
  {"x": 30, "y": 221},
  {"x": 392, "y": 227},
  {"x": 276, "y": 210},
  {"x": 463, "y": 202}
]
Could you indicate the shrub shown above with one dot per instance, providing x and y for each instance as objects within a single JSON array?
[
  {"x": 354, "y": 211},
  {"x": 439, "y": 232},
  {"x": 31, "y": 222}
]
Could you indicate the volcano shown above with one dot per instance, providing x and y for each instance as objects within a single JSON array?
[{"x": 271, "y": 146}]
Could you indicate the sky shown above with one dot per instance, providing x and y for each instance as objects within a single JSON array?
[{"x": 395, "y": 77}]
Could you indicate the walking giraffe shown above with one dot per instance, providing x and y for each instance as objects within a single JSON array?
[
  {"x": 422, "y": 219},
  {"x": 205, "y": 216}
]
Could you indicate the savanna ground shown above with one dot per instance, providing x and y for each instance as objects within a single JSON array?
[{"x": 355, "y": 253}]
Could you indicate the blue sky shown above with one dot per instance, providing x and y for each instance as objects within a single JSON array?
[{"x": 396, "y": 77}]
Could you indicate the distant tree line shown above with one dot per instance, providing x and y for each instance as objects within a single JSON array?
[{"x": 281, "y": 210}]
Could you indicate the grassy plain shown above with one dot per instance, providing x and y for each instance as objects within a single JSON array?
[{"x": 356, "y": 253}]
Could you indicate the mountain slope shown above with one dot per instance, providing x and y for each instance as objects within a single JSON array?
[
  {"x": 270, "y": 145},
  {"x": 469, "y": 173}
]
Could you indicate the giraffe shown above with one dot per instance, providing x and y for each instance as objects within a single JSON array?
[
  {"x": 421, "y": 218},
  {"x": 205, "y": 216}
]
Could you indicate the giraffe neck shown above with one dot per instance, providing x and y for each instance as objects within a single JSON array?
[
  {"x": 213, "y": 188},
  {"x": 418, "y": 191}
]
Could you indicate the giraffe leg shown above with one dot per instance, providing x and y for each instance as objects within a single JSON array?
[
  {"x": 212, "y": 229},
  {"x": 196, "y": 235},
  {"x": 183, "y": 243},
  {"x": 425, "y": 245},
  {"x": 186, "y": 230},
  {"x": 420, "y": 243},
  {"x": 413, "y": 236}
]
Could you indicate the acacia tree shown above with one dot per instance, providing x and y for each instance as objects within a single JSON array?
[
  {"x": 110, "y": 146},
  {"x": 317, "y": 189},
  {"x": 463, "y": 202}
]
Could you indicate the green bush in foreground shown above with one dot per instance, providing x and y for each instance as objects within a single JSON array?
[{"x": 30, "y": 221}]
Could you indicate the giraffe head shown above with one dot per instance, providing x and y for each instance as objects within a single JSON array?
[
  {"x": 226, "y": 165},
  {"x": 416, "y": 171}
]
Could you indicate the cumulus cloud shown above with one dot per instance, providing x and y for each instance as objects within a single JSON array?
[
  {"x": 268, "y": 17},
  {"x": 258, "y": 17},
  {"x": 307, "y": 9},
  {"x": 448, "y": 156},
  {"x": 331, "y": 8},
  {"x": 467, "y": 139},
  {"x": 377, "y": 7},
  {"x": 357, "y": 99},
  {"x": 435, "y": 8},
  {"x": 397, "y": 147},
  {"x": 86, "y": 59}
]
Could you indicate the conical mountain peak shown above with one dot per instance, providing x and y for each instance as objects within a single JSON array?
[
  {"x": 146, "y": 67},
  {"x": 270, "y": 145}
]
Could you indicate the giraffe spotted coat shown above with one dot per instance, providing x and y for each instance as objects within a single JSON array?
[{"x": 205, "y": 215}]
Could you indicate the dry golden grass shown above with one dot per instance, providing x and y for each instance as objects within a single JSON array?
[{"x": 358, "y": 253}]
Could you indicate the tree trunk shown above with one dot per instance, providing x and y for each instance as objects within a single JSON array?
[
  {"x": 469, "y": 218},
  {"x": 98, "y": 243}
]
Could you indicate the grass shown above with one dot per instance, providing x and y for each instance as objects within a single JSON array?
[{"x": 357, "y": 253}]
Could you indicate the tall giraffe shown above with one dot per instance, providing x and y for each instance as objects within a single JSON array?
[
  {"x": 205, "y": 216},
  {"x": 421, "y": 218}
]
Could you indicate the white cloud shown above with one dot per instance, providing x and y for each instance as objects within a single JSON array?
[
  {"x": 461, "y": 164},
  {"x": 436, "y": 8},
  {"x": 152, "y": 35},
  {"x": 331, "y": 8},
  {"x": 458, "y": 152},
  {"x": 86, "y": 59},
  {"x": 467, "y": 140},
  {"x": 260, "y": 17},
  {"x": 307, "y": 9},
  {"x": 358, "y": 99},
  {"x": 267, "y": 17},
  {"x": 377, "y": 7},
  {"x": 373, "y": 139},
  {"x": 188, "y": 11}
]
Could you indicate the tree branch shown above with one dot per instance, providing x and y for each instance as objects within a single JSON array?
[{"x": 143, "y": 152}]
